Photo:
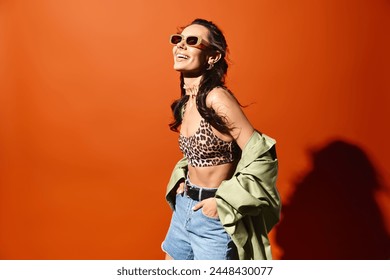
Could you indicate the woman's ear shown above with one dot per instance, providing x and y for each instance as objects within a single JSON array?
[{"x": 213, "y": 58}]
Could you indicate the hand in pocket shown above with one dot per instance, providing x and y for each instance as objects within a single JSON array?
[{"x": 208, "y": 207}]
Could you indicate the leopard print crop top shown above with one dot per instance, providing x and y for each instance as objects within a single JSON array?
[{"x": 204, "y": 148}]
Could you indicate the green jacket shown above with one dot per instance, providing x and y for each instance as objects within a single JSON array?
[{"x": 248, "y": 203}]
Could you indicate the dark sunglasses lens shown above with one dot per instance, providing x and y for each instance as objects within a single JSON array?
[
  {"x": 175, "y": 39},
  {"x": 192, "y": 40}
]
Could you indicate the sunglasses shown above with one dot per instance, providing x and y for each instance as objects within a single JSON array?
[{"x": 193, "y": 41}]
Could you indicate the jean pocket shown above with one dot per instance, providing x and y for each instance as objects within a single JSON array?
[{"x": 216, "y": 218}]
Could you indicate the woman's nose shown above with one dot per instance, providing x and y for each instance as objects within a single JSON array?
[{"x": 181, "y": 44}]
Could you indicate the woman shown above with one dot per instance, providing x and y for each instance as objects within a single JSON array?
[{"x": 216, "y": 192}]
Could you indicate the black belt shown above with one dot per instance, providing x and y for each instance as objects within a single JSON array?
[{"x": 199, "y": 194}]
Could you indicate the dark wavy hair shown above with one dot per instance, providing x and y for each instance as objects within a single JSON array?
[{"x": 214, "y": 77}]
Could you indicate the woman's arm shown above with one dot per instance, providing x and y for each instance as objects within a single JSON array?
[{"x": 227, "y": 106}]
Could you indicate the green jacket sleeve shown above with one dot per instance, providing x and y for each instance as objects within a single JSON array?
[{"x": 178, "y": 175}]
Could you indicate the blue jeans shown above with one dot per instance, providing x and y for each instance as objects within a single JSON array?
[{"x": 194, "y": 236}]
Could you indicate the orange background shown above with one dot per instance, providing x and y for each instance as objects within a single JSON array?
[{"x": 85, "y": 90}]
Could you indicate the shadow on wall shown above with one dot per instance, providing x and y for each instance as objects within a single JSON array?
[{"x": 333, "y": 213}]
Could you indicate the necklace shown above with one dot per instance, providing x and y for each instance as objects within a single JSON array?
[{"x": 191, "y": 90}]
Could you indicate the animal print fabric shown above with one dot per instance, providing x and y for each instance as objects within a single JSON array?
[{"x": 204, "y": 148}]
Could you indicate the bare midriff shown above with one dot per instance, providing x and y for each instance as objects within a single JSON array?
[{"x": 211, "y": 176}]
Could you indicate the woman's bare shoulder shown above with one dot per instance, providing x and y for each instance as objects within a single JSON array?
[
  {"x": 221, "y": 96},
  {"x": 226, "y": 105}
]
